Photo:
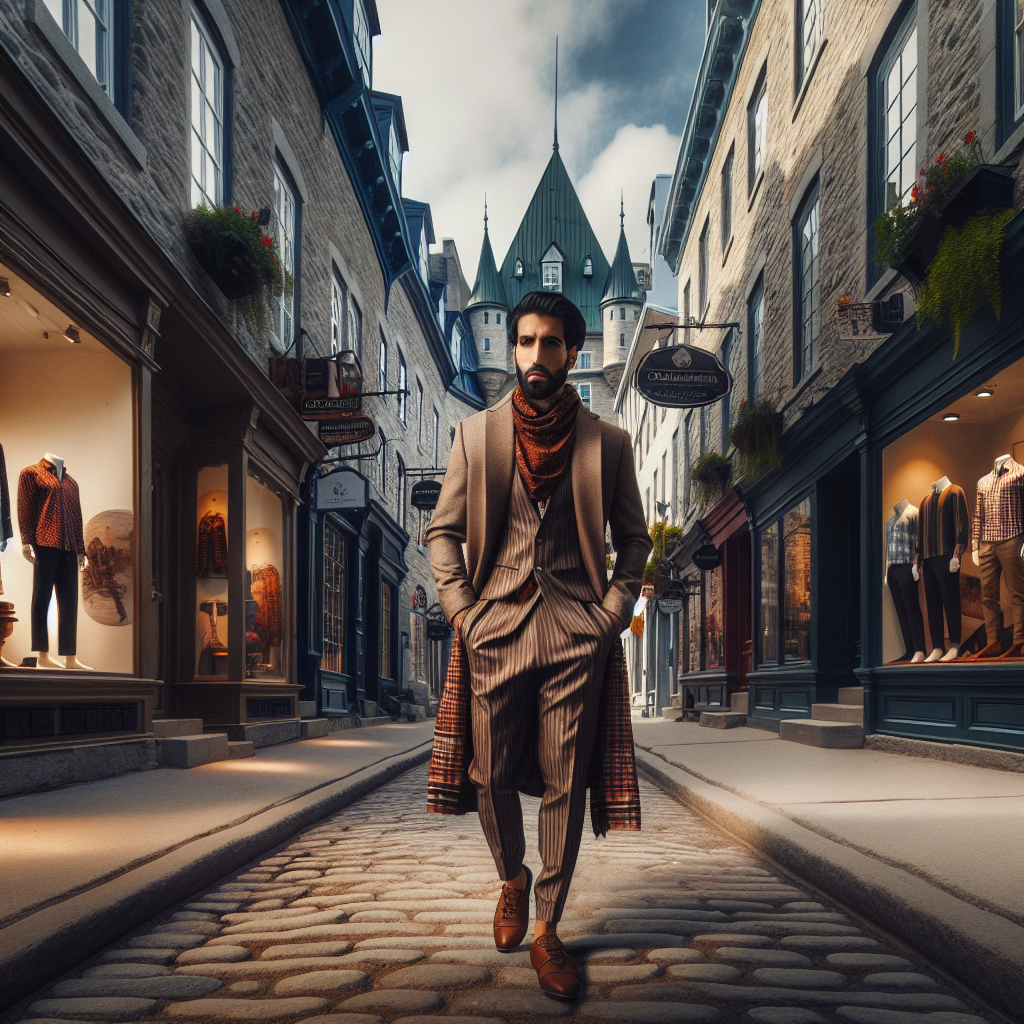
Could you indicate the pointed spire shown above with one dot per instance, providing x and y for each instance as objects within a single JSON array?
[
  {"x": 622, "y": 285},
  {"x": 488, "y": 290},
  {"x": 555, "y": 147}
]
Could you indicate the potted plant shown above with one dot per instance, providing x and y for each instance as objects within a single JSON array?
[
  {"x": 756, "y": 434},
  {"x": 710, "y": 473},
  {"x": 665, "y": 538},
  {"x": 243, "y": 262},
  {"x": 952, "y": 189}
]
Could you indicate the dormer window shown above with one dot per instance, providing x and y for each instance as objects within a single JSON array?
[
  {"x": 551, "y": 270},
  {"x": 424, "y": 257},
  {"x": 588, "y": 267},
  {"x": 395, "y": 157},
  {"x": 457, "y": 347},
  {"x": 519, "y": 267},
  {"x": 361, "y": 38}
]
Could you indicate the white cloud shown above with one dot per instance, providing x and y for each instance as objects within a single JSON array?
[{"x": 476, "y": 80}]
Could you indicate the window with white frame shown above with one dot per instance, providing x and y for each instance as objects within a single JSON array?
[
  {"x": 361, "y": 38},
  {"x": 584, "y": 390},
  {"x": 897, "y": 116},
  {"x": 808, "y": 280},
  {"x": 755, "y": 335},
  {"x": 403, "y": 384},
  {"x": 207, "y": 110},
  {"x": 424, "y": 257},
  {"x": 551, "y": 270},
  {"x": 757, "y": 128},
  {"x": 355, "y": 326},
  {"x": 338, "y": 300},
  {"x": 584, "y": 361},
  {"x": 382, "y": 365},
  {"x": 811, "y": 26},
  {"x": 395, "y": 156},
  {"x": 89, "y": 25},
  {"x": 284, "y": 228},
  {"x": 588, "y": 267}
]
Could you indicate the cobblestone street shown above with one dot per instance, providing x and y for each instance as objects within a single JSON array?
[{"x": 382, "y": 913}]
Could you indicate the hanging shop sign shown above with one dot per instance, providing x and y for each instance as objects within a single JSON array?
[
  {"x": 670, "y": 605},
  {"x": 350, "y": 430},
  {"x": 707, "y": 557},
  {"x": 337, "y": 408},
  {"x": 344, "y": 488},
  {"x": 425, "y": 494},
  {"x": 681, "y": 377},
  {"x": 438, "y": 630}
]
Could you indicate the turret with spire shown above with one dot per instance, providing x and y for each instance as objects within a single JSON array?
[
  {"x": 622, "y": 299},
  {"x": 487, "y": 312}
]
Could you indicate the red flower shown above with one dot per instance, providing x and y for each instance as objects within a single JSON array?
[
  {"x": 969, "y": 138},
  {"x": 914, "y": 194},
  {"x": 941, "y": 159},
  {"x": 236, "y": 209},
  {"x": 267, "y": 240},
  {"x": 931, "y": 188}
]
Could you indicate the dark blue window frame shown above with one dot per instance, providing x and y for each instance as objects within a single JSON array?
[
  {"x": 801, "y": 368},
  {"x": 210, "y": 24},
  {"x": 755, "y": 340},
  {"x": 1007, "y": 118},
  {"x": 727, "y": 399}
]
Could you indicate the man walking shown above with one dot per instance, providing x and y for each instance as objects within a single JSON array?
[{"x": 531, "y": 487}]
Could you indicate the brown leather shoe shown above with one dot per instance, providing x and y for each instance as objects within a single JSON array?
[
  {"x": 512, "y": 917},
  {"x": 557, "y": 974}
]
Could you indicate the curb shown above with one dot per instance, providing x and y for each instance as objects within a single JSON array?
[
  {"x": 52, "y": 941},
  {"x": 981, "y": 949}
]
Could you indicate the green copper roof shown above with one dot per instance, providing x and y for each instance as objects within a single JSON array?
[
  {"x": 488, "y": 289},
  {"x": 622, "y": 285},
  {"x": 555, "y": 215}
]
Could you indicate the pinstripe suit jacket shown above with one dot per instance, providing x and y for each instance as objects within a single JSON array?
[{"x": 473, "y": 508}]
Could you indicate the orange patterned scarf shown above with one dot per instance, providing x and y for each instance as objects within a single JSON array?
[{"x": 544, "y": 441}]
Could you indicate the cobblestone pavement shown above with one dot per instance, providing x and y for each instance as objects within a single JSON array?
[{"x": 382, "y": 913}]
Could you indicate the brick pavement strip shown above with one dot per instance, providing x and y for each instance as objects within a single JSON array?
[{"x": 379, "y": 914}]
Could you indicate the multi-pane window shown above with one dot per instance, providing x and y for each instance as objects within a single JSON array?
[
  {"x": 686, "y": 313},
  {"x": 584, "y": 390},
  {"x": 335, "y": 583},
  {"x": 897, "y": 117},
  {"x": 337, "y": 313},
  {"x": 382, "y": 365},
  {"x": 437, "y": 437},
  {"x": 755, "y": 341},
  {"x": 769, "y": 625},
  {"x": 727, "y": 199},
  {"x": 361, "y": 38},
  {"x": 785, "y": 554},
  {"x": 811, "y": 22},
  {"x": 552, "y": 277},
  {"x": 703, "y": 266},
  {"x": 387, "y": 603},
  {"x": 89, "y": 25},
  {"x": 757, "y": 128},
  {"x": 403, "y": 384},
  {"x": 355, "y": 324},
  {"x": 207, "y": 103},
  {"x": 808, "y": 281},
  {"x": 395, "y": 157},
  {"x": 284, "y": 227},
  {"x": 584, "y": 361}
]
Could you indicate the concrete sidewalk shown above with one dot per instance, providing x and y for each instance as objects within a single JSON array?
[
  {"x": 86, "y": 864},
  {"x": 931, "y": 850}
]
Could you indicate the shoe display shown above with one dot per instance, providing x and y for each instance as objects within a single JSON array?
[
  {"x": 512, "y": 917},
  {"x": 557, "y": 974},
  {"x": 1014, "y": 652}
]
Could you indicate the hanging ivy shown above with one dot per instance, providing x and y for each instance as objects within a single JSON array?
[
  {"x": 756, "y": 434},
  {"x": 710, "y": 473}
]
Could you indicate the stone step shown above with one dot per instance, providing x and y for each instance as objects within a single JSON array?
[
  {"x": 677, "y": 701},
  {"x": 265, "y": 734},
  {"x": 307, "y": 709},
  {"x": 672, "y": 714},
  {"x": 739, "y": 703},
  {"x": 835, "y": 735},
  {"x": 192, "y": 751},
  {"x": 165, "y": 727},
  {"x": 722, "y": 719},
  {"x": 313, "y": 728},
  {"x": 240, "y": 748},
  {"x": 838, "y": 713},
  {"x": 851, "y": 695}
]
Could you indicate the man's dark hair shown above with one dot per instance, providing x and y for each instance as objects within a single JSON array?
[{"x": 574, "y": 323}]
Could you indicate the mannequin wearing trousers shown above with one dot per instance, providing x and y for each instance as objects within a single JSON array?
[
  {"x": 902, "y": 577},
  {"x": 942, "y": 527},
  {"x": 997, "y": 537}
]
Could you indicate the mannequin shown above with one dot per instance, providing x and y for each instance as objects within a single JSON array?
[
  {"x": 6, "y": 529},
  {"x": 997, "y": 543},
  {"x": 50, "y": 519},
  {"x": 942, "y": 528},
  {"x": 902, "y": 576}
]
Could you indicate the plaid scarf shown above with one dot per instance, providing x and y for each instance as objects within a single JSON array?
[
  {"x": 614, "y": 792},
  {"x": 544, "y": 441}
]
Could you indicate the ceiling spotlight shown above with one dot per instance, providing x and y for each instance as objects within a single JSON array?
[
  {"x": 984, "y": 393},
  {"x": 5, "y": 287},
  {"x": 72, "y": 335},
  {"x": 951, "y": 417}
]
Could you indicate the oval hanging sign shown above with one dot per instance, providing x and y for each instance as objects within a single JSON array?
[
  {"x": 425, "y": 494},
  {"x": 438, "y": 630},
  {"x": 350, "y": 431},
  {"x": 707, "y": 557},
  {"x": 336, "y": 408},
  {"x": 681, "y": 377}
]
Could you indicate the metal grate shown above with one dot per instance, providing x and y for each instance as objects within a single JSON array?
[
  {"x": 274, "y": 707},
  {"x": 99, "y": 718},
  {"x": 26, "y": 723}
]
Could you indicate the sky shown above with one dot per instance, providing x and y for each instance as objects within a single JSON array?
[{"x": 476, "y": 79}]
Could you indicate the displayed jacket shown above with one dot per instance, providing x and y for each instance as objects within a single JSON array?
[
  {"x": 266, "y": 591},
  {"x": 49, "y": 508},
  {"x": 942, "y": 522},
  {"x": 212, "y": 546}
]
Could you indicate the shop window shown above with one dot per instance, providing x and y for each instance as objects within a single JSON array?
[
  {"x": 284, "y": 225},
  {"x": 769, "y": 631},
  {"x": 796, "y": 546},
  {"x": 334, "y": 599},
  {"x": 265, "y": 605},
  {"x": 387, "y": 639},
  {"x": 1010, "y": 67},
  {"x": 954, "y": 484},
  {"x": 207, "y": 112},
  {"x": 807, "y": 281},
  {"x": 810, "y": 20},
  {"x": 757, "y": 130},
  {"x": 755, "y": 341},
  {"x": 714, "y": 619},
  {"x": 418, "y": 637},
  {"x": 695, "y": 629},
  {"x": 67, "y": 441},
  {"x": 212, "y": 572}
]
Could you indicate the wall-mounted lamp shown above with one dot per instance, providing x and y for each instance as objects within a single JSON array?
[
  {"x": 5, "y": 287},
  {"x": 984, "y": 393},
  {"x": 72, "y": 335},
  {"x": 951, "y": 417}
]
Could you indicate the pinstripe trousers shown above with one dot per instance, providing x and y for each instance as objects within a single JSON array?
[{"x": 535, "y": 700}]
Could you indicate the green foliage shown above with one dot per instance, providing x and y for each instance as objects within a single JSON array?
[
  {"x": 756, "y": 434},
  {"x": 232, "y": 248},
  {"x": 894, "y": 230},
  {"x": 965, "y": 274},
  {"x": 710, "y": 474},
  {"x": 664, "y": 538}
]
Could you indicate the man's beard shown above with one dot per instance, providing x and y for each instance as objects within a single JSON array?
[{"x": 539, "y": 390}]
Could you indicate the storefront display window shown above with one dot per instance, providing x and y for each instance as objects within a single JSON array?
[
  {"x": 335, "y": 582},
  {"x": 67, "y": 458},
  {"x": 769, "y": 653},
  {"x": 212, "y": 573},
  {"x": 714, "y": 619},
  {"x": 952, "y": 514},
  {"x": 387, "y": 669},
  {"x": 265, "y": 626},
  {"x": 796, "y": 540},
  {"x": 695, "y": 623}
]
